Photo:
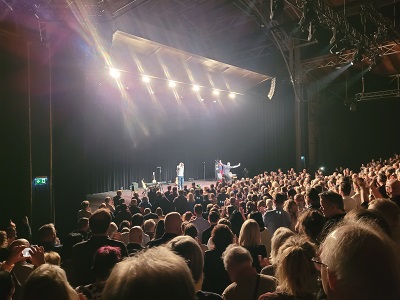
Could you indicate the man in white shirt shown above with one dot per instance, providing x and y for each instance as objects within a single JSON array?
[{"x": 180, "y": 171}]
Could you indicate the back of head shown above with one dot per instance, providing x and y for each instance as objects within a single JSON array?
[
  {"x": 295, "y": 270},
  {"x": 213, "y": 217},
  {"x": 190, "y": 250},
  {"x": 257, "y": 216},
  {"x": 47, "y": 233},
  {"x": 198, "y": 209},
  {"x": 311, "y": 222},
  {"x": 279, "y": 237},
  {"x": 6, "y": 285},
  {"x": 157, "y": 273},
  {"x": 137, "y": 220},
  {"x": 190, "y": 230},
  {"x": 279, "y": 198},
  {"x": 249, "y": 236},
  {"x": 388, "y": 209},
  {"x": 222, "y": 237},
  {"x": 100, "y": 221},
  {"x": 345, "y": 187},
  {"x": 136, "y": 234},
  {"x": 235, "y": 256},
  {"x": 312, "y": 194},
  {"x": 172, "y": 223},
  {"x": 364, "y": 262},
  {"x": 48, "y": 282},
  {"x": 85, "y": 204},
  {"x": 104, "y": 261}
]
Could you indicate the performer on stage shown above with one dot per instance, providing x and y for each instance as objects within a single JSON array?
[
  {"x": 227, "y": 170},
  {"x": 180, "y": 171}
]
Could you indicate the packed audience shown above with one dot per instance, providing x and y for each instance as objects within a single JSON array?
[{"x": 277, "y": 235}]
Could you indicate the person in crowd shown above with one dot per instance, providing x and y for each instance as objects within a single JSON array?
[
  {"x": 278, "y": 239},
  {"x": 133, "y": 207},
  {"x": 180, "y": 173},
  {"x": 292, "y": 209},
  {"x": 52, "y": 258},
  {"x": 180, "y": 203},
  {"x": 310, "y": 223},
  {"x": 135, "y": 240},
  {"x": 48, "y": 282},
  {"x": 109, "y": 204},
  {"x": 246, "y": 284},
  {"x": 82, "y": 253},
  {"x": 172, "y": 225},
  {"x": 144, "y": 204},
  {"x": 348, "y": 202},
  {"x": 312, "y": 198},
  {"x": 47, "y": 237},
  {"x": 391, "y": 213},
  {"x": 216, "y": 279},
  {"x": 393, "y": 190},
  {"x": 299, "y": 200},
  {"x": 3, "y": 246},
  {"x": 159, "y": 273},
  {"x": 138, "y": 220},
  {"x": 264, "y": 232},
  {"x": 333, "y": 209},
  {"x": 117, "y": 197},
  {"x": 149, "y": 215},
  {"x": 162, "y": 202},
  {"x": 249, "y": 238},
  {"x": 149, "y": 227},
  {"x": 83, "y": 228},
  {"x": 278, "y": 217},
  {"x": 104, "y": 261},
  {"x": 122, "y": 213},
  {"x": 213, "y": 218},
  {"x": 85, "y": 211},
  {"x": 200, "y": 223},
  {"x": 349, "y": 266},
  {"x": 295, "y": 272}
]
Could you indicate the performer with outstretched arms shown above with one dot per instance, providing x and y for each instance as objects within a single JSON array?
[
  {"x": 227, "y": 170},
  {"x": 180, "y": 171}
]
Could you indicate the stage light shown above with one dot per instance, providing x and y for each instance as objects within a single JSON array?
[
  {"x": 232, "y": 95},
  {"x": 114, "y": 73},
  {"x": 146, "y": 79},
  {"x": 201, "y": 99},
  {"x": 322, "y": 168},
  {"x": 215, "y": 101},
  {"x": 196, "y": 88},
  {"x": 215, "y": 92},
  {"x": 172, "y": 84}
]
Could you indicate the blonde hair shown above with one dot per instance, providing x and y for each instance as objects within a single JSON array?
[
  {"x": 279, "y": 237},
  {"x": 249, "y": 235},
  {"x": 52, "y": 258},
  {"x": 134, "y": 277}
]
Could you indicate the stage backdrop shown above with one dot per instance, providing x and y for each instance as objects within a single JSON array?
[{"x": 131, "y": 133}]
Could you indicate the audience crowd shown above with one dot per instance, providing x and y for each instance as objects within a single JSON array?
[{"x": 278, "y": 235}]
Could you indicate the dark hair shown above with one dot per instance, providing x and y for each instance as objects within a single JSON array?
[
  {"x": 198, "y": 209},
  {"x": 313, "y": 195},
  {"x": 85, "y": 204},
  {"x": 213, "y": 217},
  {"x": 345, "y": 186},
  {"x": 104, "y": 261},
  {"x": 100, "y": 221},
  {"x": 123, "y": 224},
  {"x": 257, "y": 216},
  {"x": 190, "y": 230},
  {"x": 160, "y": 229},
  {"x": 311, "y": 223},
  {"x": 333, "y": 198},
  {"x": 280, "y": 198},
  {"x": 221, "y": 237},
  {"x": 83, "y": 222},
  {"x": 137, "y": 220}
]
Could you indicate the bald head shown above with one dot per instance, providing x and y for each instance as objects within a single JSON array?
[
  {"x": 393, "y": 187},
  {"x": 136, "y": 235},
  {"x": 19, "y": 242},
  {"x": 172, "y": 223}
]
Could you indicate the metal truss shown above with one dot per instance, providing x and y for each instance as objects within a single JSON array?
[
  {"x": 377, "y": 95},
  {"x": 345, "y": 58}
]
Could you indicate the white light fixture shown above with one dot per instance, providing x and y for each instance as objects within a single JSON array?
[
  {"x": 146, "y": 79},
  {"x": 215, "y": 92},
  {"x": 172, "y": 84},
  {"x": 232, "y": 95},
  {"x": 201, "y": 99},
  {"x": 215, "y": 101},
  {"x": 196, "y": 88},
  {"x": 114, "y": 73}
]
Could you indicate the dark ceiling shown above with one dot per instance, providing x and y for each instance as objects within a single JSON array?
[{"x": 238, "y": 33}]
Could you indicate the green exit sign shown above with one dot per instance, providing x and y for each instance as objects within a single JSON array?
[{"x": 40, "y": 180}]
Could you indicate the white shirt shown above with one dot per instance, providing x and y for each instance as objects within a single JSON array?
[
  {"x": 201, "y": 224},
  {"x": 350, "y": 204},
  {"x": 180, "y": 169}
]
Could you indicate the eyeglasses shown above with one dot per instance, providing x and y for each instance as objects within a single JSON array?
[{"x": 318, "y": 264}]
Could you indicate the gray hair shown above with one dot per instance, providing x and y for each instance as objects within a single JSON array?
[{"x": 236, "y": 255}]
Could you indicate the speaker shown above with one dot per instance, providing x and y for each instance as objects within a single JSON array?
[{"x": 134, "y": 187}]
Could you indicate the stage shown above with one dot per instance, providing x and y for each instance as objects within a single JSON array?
[{"x": 96, "y": 199}]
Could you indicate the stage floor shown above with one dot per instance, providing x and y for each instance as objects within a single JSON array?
[{"x": 96, "y": 199}]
